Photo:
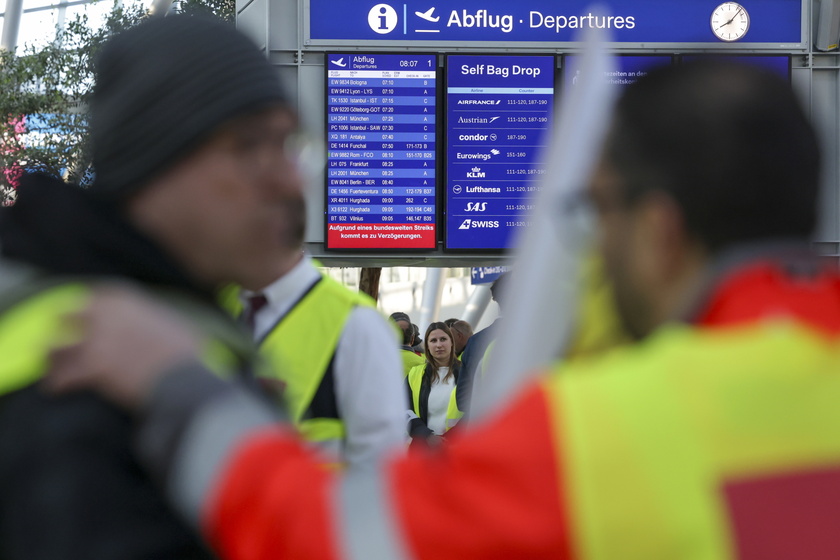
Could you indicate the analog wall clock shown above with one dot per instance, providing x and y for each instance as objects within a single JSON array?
[{"x": 730, "y": 21}]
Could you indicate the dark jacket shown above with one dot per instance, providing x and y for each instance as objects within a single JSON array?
[
  {"x": 70, "y": 487},
  {"x": 417, "y": 427},
  {"x": 470, "y": 358}
]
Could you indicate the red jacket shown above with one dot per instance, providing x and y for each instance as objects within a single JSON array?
[{"x": 512, "y": 487}]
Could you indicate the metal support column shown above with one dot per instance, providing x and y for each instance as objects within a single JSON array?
[
  {"x": 432, "y": 292},
  {"x": 11, "y": 24},
  {"x": 477, "y": 304}
]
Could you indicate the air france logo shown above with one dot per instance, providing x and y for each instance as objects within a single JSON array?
[
  {"x": 469, "y": 223},
  {"x": 382, "y": 18},
  {"x": 476, "y": 207}
]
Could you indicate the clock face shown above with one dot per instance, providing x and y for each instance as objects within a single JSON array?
[{"x": 730, "y": 21}]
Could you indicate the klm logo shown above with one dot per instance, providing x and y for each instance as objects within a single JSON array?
[
  {"x": 476, "y": 207},
  {"x": 479, "y": 224},
  {"x": 476, "y": 173}
]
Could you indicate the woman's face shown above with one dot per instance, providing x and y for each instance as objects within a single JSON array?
[{"x": 440, "y": 347}]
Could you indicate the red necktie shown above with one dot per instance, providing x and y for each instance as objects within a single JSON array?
[{"x": 252, "y": 305}]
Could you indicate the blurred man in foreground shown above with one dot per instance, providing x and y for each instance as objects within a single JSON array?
[
  {"x": 195, "y": 187},
  {"x": 716, "y": 436}
]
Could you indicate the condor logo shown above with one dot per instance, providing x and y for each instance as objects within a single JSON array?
[
  {"x": 477, "y": 224},
  {"x": 476, "y": 207}
]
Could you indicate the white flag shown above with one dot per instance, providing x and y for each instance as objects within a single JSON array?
[{"x": 541, "y": 293}]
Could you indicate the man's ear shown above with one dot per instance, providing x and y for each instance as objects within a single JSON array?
[{"x": 663, "y": 231}]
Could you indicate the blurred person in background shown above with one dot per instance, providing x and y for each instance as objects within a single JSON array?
[
  {"x": 478, "y": 343},
  {"x": 410, "y": 358},
  {"x": 418, "y": 342},
  {"x": 461, "y": 333}
]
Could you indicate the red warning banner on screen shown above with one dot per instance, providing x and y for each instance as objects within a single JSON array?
[{"x": 381, "y": 236}]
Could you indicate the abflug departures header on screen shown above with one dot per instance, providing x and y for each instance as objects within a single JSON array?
[{"x": 381, "y": 116}]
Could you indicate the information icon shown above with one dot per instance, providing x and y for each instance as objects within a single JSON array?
[{"x": 382, "y": 18}]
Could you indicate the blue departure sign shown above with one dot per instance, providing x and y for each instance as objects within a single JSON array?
[
  {"x": 382, "y": 151},
  {"x": 498, "y": 114},
  {"x": 772, "y": 22}
]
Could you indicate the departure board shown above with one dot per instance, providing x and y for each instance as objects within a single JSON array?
[
  {"x": 629, "y": 68},
  {"x": 498, "y": 114},
  {"x": 381, "y": 161}
]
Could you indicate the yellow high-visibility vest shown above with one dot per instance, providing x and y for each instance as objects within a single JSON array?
[
  {"x": 300, "y": 349},
  {"x": 666, "y": 446},
  {"x": 415, "y": 381}
]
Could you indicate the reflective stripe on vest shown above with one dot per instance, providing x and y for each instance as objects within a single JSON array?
[
  {"x": 415, "y": 381},
  {"x": 30, "y": 329},
  {"x": 301, "y": 348},
  {"x": 32, "y": 326},
  {"x": 672, "y": 448},
  {"x": 365, "y": 518}
]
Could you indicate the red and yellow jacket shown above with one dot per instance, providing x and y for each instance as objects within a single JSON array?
[{"x": 711, "y": 441}]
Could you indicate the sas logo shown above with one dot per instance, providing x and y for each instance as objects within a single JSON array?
[
  {"x": 469, "y": 223},
  {"x": 475, "y": 173},
  {"x": 476, "y": 207}
]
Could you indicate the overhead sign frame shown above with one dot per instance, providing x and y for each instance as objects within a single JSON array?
[{"x": 697, "y": 14}]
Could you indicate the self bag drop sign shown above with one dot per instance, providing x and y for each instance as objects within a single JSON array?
[{"x": 631, "y": 21}]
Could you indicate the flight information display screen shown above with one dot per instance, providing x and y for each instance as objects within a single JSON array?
[
  {"x": 498, "y": 115},
  {"x": 628, "y": 69},
  {"x": 381, "y": 118}
]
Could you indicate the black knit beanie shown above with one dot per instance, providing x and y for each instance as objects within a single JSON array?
[{"x": 162, "y": 87}]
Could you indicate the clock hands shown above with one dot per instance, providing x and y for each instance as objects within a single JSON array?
[{"x": 740, "y": 9}]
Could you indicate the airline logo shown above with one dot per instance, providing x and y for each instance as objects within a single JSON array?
[
  {"x": 476, "y": 173},
  {"x": 478, "y": 102},
  {"x": 476, "y": 207},
  {"x": 469, "y": 223},
  {"x": 482, "y": 157}
]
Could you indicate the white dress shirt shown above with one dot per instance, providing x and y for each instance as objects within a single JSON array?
[{"x": 367, "y": 368}]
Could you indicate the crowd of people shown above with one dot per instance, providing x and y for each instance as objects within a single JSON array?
[{"x": 179, "y": 380}]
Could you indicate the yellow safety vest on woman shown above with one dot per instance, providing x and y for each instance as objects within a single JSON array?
[{"x": 415, "y": 382}]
